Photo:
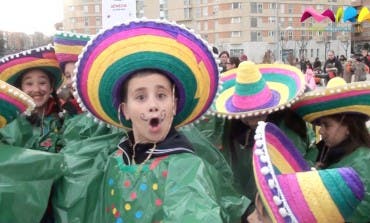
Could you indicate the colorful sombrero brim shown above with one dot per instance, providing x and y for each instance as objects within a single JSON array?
[
  {"x": 286, "y": 83},
  {"x": 68, "y": 46},
  {"x": 116, "y": 53},
  {"x": 291, "y": 192},
  {"x": 350, "y": 98},
  {"x": 13, "y": 102},
  {"x": 12, "y": 66}
]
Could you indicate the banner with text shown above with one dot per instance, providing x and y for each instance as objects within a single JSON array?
[{"x": 115, "y": 12}]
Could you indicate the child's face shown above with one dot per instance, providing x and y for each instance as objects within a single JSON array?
[
  {"x": 37, "y": 84},
  {"x": 150, "y": 106}
]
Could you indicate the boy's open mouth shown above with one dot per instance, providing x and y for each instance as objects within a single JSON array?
[{"x": 154, "y": 122}]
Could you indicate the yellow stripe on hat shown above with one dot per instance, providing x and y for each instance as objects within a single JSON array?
[
  {"x": 317, "y": 197},
  {"x": 354, "y": 108},
  {"x": 133, "y": 45},
  {"x": 279, "y": 161},
  {"x": 67, "y": 49},
  {"x": 9, "y": 72},
  {"x": 222, "y": 98},
  {"x": 282, "y": 89},
  {"x": 2, "y": 121}
]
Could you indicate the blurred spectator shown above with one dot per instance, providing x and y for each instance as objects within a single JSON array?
[
  {"x": 268, "y": 57},
  {"x": 302, "y": 64},
  {"x": 360, "y": 70},
  {"x": 348, "y": 70},
  {"x": 243, "y": 57},
  {"x": 331, "y": 62},
  {"x": 232, "y": 62},
  {"x": 317, "y": 65},
  {"x": 310, "y": 77},
  {"x": 224, "y": 56},
  {"x": 365, "y": 56}
]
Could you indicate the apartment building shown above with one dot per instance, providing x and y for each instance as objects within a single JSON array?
[{"x": 241, "y": 27}]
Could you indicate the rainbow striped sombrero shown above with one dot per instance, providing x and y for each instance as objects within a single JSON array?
[
  {"x": 291, "y": 192},
  {"x": 12, "y": 66},
  {"x": 13, "y": 102},
  {"x": 257, "y": 89},
  {"x": 68, "y": 46},
  {"x": 113, "y": 54},
  {"x": 337, "y": 97}
]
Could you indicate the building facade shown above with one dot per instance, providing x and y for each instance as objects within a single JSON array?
[{"x": 240, "y": 27}]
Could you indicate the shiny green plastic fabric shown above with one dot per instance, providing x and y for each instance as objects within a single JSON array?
[
  {"x": 99, "y": 187},
  {"x": 360, "y": 161},
  {"x": 21, "y": 133},
  {"x": 26, "y": 179}
]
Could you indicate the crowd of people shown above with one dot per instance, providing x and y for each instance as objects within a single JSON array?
[{"x": 120, "y": 127}]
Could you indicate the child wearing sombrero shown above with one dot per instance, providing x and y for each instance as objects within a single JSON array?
[
  {"x": 67, "y": 48},
  {"x": 37, "y": 73},
  {"x": 252, "y": 93},
  {"x": 341, "y": 111},
  {"x": 289, "y": 191},
  {"x": 149, "y": 77}
]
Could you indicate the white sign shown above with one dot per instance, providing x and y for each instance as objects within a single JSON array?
[{"x": 115, "y": 12}]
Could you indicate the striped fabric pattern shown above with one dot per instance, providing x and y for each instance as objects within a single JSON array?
[
  {"x": 68, "y": 46},
  {"x": 291, "y": 192},
  {"x": 344, "y": 98},
  {"x": 255, "y": 89},
  {"x": 12, "y": 66},
  {"x": 13, "y": 102},
  {"x": 116, "y": 53}
]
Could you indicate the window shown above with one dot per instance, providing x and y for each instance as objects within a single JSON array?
[
  {"x": 71, "y": 8},
  {"x": 259, "y": 7},
  {"x": 215, "y": 9},
  {"x": 205, "y": 11},
  {"x": 187, "y": 13},
  {"x": 253, "y": 36},
  {"x": 97, "y": 8},
  {"x": 197, "y": 12},
  {"x": 236, "y": 5},
  {"x": 235, "y": 20},
  {"x": 253, "y": 22},
  {"x": 98, "y": 20},
  {"x": 236, "y": 52},
  {"x": 271, "y": 20},
  {"x": 85, "y": 8},
  {"x": 86, "y": 21},
  {"x": 290, "y": 8},
  {"x": 186, "y": 2},
  {"x": 290, "y": 35},
  {"x": 272, "y": 6},
  {"x": 271, "y": 34},
  {"x": 205, "y": 25},
  {"x": 311, "y": 53},
  {"x": 235, "y": 34},
  {"x": 282, "y": 8}
]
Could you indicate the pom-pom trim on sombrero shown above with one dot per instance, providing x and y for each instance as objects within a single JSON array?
[
  {"x": 115, "y": 53},
  {"x": 348, "y": 98},
  {"x": 277, "y": 87},
  {"x": 13, "y": 102},
  {"x": 291, "y": 192},
  {"x": 12, "y": 66}
]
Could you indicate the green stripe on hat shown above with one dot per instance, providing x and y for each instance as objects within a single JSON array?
[
  {"x": 333, "y": 104},
  {"x": 343, "y": 197},
  {"x": 286, "y": 80},
  {"x": 250, "y": 89}
]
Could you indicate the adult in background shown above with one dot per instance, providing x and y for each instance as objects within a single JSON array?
[{"x": 333, "y": 62}]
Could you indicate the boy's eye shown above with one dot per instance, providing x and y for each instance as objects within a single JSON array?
[
  {"x": 140, "y": 97},
  {"x": 162, "y": 95}
]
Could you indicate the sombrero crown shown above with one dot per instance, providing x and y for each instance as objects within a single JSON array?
[
  {"x": 337, "y": 97},
  {"x": 255, "y": 89},
  {"x": 114, "y": 54},
  {"x": 13, "y": 102},
  {"x": 13, "y": 66},
  {"x": 291, "y": 192},
  {"x": 68, "y": 46}
]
